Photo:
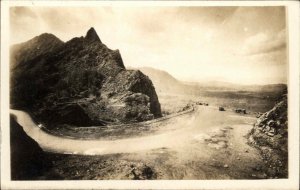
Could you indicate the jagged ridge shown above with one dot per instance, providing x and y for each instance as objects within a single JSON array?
[{"x": 85, "y": 78}]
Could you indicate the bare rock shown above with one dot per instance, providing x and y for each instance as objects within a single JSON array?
[{"x": 272, "y": 139}]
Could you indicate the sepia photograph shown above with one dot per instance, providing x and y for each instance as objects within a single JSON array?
[{"x": 131, "y": 91}]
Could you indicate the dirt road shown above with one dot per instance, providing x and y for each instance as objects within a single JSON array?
[{"x": 205, "y": 144}]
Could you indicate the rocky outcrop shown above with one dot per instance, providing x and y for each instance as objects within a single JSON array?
[
  {"x": 270, "y": 136},
  {"x": 28, "y": 160},
  {"x": 73, "y": 114},
  {"x": 83, "y": 78}
]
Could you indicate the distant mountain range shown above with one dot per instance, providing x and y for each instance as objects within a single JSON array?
[
  {"x": 166, "y": 83},
  {"x": 162, "y": 80}
]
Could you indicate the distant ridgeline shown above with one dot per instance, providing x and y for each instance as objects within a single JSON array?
[{"x": 80, "y": 82}]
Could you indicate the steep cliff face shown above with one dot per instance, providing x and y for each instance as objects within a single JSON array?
[
  {"x": 81, "y": 78},
  {"x": 28, "y": 160},
  {"x": 270, "y": 136}
]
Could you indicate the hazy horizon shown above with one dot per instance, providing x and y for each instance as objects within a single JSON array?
[
  {"x": 209, "y": 80},
  {"x": 242, "y": 45}
]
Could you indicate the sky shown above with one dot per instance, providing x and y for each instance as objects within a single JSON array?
[{"x": 245, "y": 45}]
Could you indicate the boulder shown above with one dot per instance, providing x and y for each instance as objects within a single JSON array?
[{"x": 141, "y": 172}]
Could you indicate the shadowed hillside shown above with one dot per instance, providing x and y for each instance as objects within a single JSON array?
[
  {"x": 80, "y": 82},
  {"x": 27, "y": 158}
]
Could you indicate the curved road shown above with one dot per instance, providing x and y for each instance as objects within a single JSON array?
[
  {"x": 184, "y": 129},
  {"x": 59, "y": 144}
]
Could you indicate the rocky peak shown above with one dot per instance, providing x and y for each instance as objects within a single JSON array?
[
  {"x": 46, "y": 36},
  {"x": 92, "y": 35},
  {"x": 81, "y": 70},
  {"x": 43, "y": 41}
]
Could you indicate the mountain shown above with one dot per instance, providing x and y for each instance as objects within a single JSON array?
[
  {"x": 162, "y": 80},
  {"x": 165, "y": 82},
  {"x": 80, "y": 82}
]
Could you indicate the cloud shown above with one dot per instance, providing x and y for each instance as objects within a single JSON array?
[
  {"x": 195, "y": 42},
  {"x": 269, "y": 58},
  {"x": 16, "y": 11},
  {"x": 263, "y": 42}
]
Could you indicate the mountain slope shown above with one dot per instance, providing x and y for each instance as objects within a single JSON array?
[
  {"x": 80, "y": 82},
  {"x": 270, "y": 136},
  {"x": 164, "y": 82}
]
